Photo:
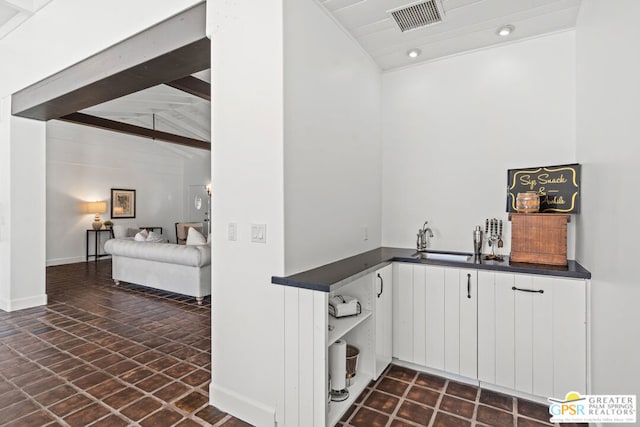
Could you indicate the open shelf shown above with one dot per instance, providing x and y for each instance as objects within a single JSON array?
[
  {"x": 337, "y": 409},
  {"x": 343, "y": 325}
]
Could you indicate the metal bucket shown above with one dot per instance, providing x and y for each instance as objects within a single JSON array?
[{"x": 352, "y": 362}]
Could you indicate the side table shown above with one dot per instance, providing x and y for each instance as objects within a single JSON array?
[{"x": 96, "y": 243}]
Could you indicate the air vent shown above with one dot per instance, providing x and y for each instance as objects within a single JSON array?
[{"x": 417, "y": 15}]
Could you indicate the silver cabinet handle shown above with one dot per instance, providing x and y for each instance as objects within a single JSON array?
[
  {"x": 541, "y": 291},
  {"x": 381, "y": 285},
  {"x": 468, "y": 285}
]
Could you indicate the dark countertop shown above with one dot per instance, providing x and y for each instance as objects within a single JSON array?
[{"x": 333, "y": 275}]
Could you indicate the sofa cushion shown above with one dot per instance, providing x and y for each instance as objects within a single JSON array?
[
  {"x": 156, "y": 237},
  {"x": 119, "y": 231},
  {"x": 196, "y": 256},
  {"x": 141, "y": 236}
]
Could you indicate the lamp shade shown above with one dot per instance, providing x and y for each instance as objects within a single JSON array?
[{"x": 96, "y": 207}]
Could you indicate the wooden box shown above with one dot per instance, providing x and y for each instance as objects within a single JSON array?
[{"x": 539, "y": 238}]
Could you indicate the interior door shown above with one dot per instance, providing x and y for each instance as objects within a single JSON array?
[{"x": 198, "y": 206}]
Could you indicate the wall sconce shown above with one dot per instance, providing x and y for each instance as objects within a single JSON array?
[
  {"x": 209, "y": 189},
  {"x": 96, "y": 208}
]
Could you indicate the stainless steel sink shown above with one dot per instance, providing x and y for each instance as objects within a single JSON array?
[{"x": 444, "y": 256}]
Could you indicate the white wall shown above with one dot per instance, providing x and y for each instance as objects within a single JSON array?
[
  {"x": 608, "y": 130},
  {"x": 247, "y": 165},
  {"x": 332, "y": 141},
  {"x": 84, "y": 163},
  {"x": 452, "y": 128},
  {"x": 22, "y": 207},
  {"x": 5, "y": 199}
]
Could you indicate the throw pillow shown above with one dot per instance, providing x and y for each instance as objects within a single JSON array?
[
  {"x": 119, "y": 231},
  {"x": 155, "y": 237},
  {"x": 141, "y": 236},
  {"x": 194, "y": 237}
]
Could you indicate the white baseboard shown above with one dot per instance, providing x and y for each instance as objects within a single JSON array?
[
  {"x": 22, "y": 303},
  {"x": 62, "y": 261},
  {"x": 246, "y": 409},
  {"x": 448, "y": 375},
  {"x": 505, "y": 390}
]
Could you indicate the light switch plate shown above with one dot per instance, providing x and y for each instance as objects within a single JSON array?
[
  {"x": 232, "y": 231},
  {"x": 259, "y": 233}
]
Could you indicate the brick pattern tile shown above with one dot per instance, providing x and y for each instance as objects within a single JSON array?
[
  {"x": 101, "y": 355},
  {"x": 402, "y": 397}
]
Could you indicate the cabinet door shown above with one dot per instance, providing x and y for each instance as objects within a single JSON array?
[
  {"x": 534, "y": 332},
  {"x": 383, "y": 287},
  {"x": 403, "y": 312},
  {"x": 435, "y": 317},
  {"x": 496, "y": 323},
  {"x": 559, "y": 336},
  {"x": 523, "y": 306},
  {"x": 452, "y": 320},
  {"x": 550, "y": 350},
  {"x": 468, "y": 303},
  {"x": 461, "y": 331},
  {"x": 419, "y": 315}
]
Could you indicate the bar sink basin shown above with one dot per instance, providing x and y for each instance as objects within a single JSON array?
[{"x": 444, "y": 256}]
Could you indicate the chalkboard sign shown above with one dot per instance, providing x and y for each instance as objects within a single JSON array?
[{"x": 557, "y": 186}]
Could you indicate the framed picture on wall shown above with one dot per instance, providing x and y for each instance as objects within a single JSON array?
[{"x": 123, "y": 203}]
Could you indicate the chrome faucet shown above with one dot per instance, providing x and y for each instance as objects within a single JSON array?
[{"x": 423, "y": 237}]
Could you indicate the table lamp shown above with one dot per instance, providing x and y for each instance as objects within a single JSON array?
[{"x": 97, "y": 208}]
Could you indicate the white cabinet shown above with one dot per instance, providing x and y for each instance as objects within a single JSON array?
[
  {"x": 309, "y": 331},
  {"x": 462, "y": 359},
  {"x": 403, "y": 311},
  {"x": 383, "y": 289},
  {"x": 358, "y": 331},
  {"x": 492, "y": 326},
  {"x": 532, "y": 333},
  {"x": 435, "y": 310}
]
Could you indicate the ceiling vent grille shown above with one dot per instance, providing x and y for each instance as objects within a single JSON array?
[{"x": 417, "y": 15}]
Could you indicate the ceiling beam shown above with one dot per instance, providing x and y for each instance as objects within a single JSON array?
[
  {"x": 163, "y": 53},
  {"x": 126, "y": 128},
  {"x": 193, "y": 86}
]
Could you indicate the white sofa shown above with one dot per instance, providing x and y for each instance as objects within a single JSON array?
[{"x": 175, "y": 268}]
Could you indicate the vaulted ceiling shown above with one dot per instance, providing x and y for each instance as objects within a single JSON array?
[
  {"x": 466, "y": 25},
  {"x": 162, "y": 108},
  {"x": 15, "y": 12},
  {"x": 148, "y": 85}
]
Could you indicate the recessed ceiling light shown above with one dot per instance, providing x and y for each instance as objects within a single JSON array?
[
  {"x": 414, "y": 53},
  {"x": 505, "y": 30}
]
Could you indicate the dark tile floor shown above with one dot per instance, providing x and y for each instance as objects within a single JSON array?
[
  {"x": 402, "y": 397},
  {"x": 100, "y": 355}
]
